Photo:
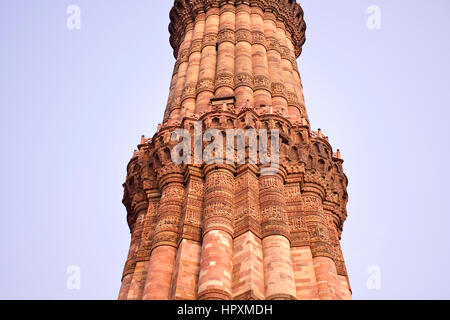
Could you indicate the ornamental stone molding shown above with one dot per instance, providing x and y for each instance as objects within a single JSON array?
[{"x": 288, "y": 12}]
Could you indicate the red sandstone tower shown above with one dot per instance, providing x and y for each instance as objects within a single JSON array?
[{"x": 226, "y": 231}]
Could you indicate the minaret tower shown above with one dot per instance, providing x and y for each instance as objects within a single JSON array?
[{"x": 227, "y": 231}]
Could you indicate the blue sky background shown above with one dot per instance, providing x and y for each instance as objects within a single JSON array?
[{"x": 73, "y": 105}]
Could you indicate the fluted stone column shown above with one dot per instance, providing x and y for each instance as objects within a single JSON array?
[
  {"x": 298, "y": 83},
  {"x": 187, "y": 264},
  {"x": 303, "y": 264},
  {"x": 248, "y": 266},
  {"x": 143, "y": 252},
  {"x": 342, "y": 290},
  {"x": 175, "y": 108},
  {"x": 243, "y": 51},
  {"x": 278, "y": 268},
  {"x": 126, "y": 282},
  {"x": 188, "y": 99},
  {"x": 225, "y": 57},
  {"x": 261, "y": 76},
  {"x": 287, "y": 60},
  {"x": 165, "y": 243},
  {"x": 172, "y": 89},
  {"x": 343, "y": 279},
  {"x": 217, "y": 248},
  {"x": 312, "y": 205},
  {"x": 207, "y": 75},
  {"x": 139, "y": 207},
  {"x": 278, "y": 88}
]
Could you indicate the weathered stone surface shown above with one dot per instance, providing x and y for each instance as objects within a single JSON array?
[{"x": 228, "y": 231}]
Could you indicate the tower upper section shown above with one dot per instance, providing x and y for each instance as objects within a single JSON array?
[{"x": 184, "y": 13}]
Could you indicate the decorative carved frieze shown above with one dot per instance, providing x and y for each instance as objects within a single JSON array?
[
  {"x": 259, "y": 38},
  {"x": 292, "y": 99},
  {"x": 205, "y": 85},
  {"x": 244, "y": 79},
  {"x": 289, "y": 13},
  {"x": 189, "y": 91},
  {"x": 209, "y": 39},
  {"x": 272, "y": 43},
  {"x": 226, "y": 35},
  {"x": 225, "y": 79},
  {"x": 261, "y": 82},
  {"x": 184, "y": 56},
  {"x": 244, "y": 35},
  {"x": 278, "y": 90},
  {"x": 285, "y": 53},
  {"x": 196, "y": 46}
]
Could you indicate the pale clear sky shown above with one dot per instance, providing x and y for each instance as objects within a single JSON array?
[{"x": 74, "y": 104}]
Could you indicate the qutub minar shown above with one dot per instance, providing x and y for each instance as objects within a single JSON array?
[{"x": 227, "y": 231}]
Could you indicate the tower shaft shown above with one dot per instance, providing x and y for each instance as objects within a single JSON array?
[{"x": 236, "y": 230}]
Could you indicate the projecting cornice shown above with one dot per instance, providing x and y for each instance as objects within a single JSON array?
[{"x": 289, "y": 12}]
